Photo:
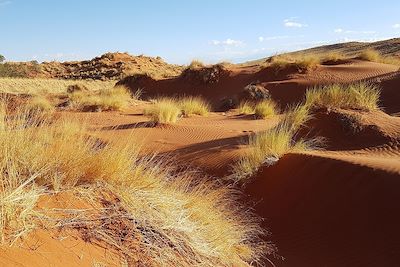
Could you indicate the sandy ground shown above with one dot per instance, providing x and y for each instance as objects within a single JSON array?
[{"x": 337, "y": 207}]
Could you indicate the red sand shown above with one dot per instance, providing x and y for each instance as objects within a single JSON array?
[{"x": 337, "y": 207}]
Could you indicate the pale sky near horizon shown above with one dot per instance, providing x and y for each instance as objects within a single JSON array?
[{"x": 179, "y": 30}]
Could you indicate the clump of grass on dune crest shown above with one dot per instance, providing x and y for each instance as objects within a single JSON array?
[
  {"x": 196, "y": 64},
  {"x": 370, "y": 55},
  {"x": 194, "y": 105},
  {"x": 359, "y": 96},
  {"x": 107, "y": 99},
  {"x": 179, "y": 219},
  {"x": 268, "y": 146},
  {"x": 301, "y": 62},
  {"x": 265, "y": 109},
  {"x": 164, "y": 111},
  {"x": 375, "y": 56},
  {"x": 332, "y": 57}
]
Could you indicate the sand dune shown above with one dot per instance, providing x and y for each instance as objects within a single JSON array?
[
  {"x": 286, "y": 87},
  {"x": 326, "y": 210},
  {"x": 331, "y": 207}
]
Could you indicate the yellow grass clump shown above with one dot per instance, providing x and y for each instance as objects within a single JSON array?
[
  {"x": 246, "y": 108},
  {"x": 332, "y": 57},
  {"x": 361, "y": 96},
  {"x": 298, "y": 115},
  {"x": 107, "y": 99},
  {"x": 164, "y": 111},
  {"x": 40, "y": 104},
  {"x": 375, "y": 56},
  {"x": 196, "y": 64},
  {"x": 177, "y": 219},
  {"x": 269, "y": 146},
  {"x": 265, "y": 109},
  {"x": 370, "y": 55},
  {"x": 194, "y": 106},
  {"x": 301, "y": 62}
]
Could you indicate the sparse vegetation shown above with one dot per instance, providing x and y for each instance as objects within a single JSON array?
[
  {"x": 20, "y": 70},
  {"x": 48, "y": 86},
  {"x": 332, "y": 57},
  {"x": 194, "y": 105},
  {"x": 298, "y": 115},
  {"x": 375, "y": 56},
  {"x": 360, "y": 96},
  {"x": 267, "y": 147},
  {"x": 301, "y": 63},
  {"x": 246, "y": 108},
  {"x": 108, "y": 99},
  {"x": 196, "y": 64},
  {"x": 265, "y": 109},
  {"x": 164, "y": 111},
  {"x": 370, "y": 55},
  {"x": 40, "y": 104},
  {"x": 177, "y": 219}
]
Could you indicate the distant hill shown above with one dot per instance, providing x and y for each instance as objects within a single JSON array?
[
  {"x": 110, "y": 66},
  {"x": 389, "y": 47}
]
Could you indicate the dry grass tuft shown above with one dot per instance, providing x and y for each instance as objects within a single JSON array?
[
  {"x": 375, "y": 56},
  {"x": 246, "y": 108},
  {"x": 265, "y": 109},
  {"x": 164, "y": 111},
  {"x": 179, "y": 219},
  {"x": 301, "y": 62},
  {"x": 109, "y": 99},
  {"x": 196, "y": 64},
  {"x": 40, "y": 104},
  {"x": 370, "y": 55},
  {"x": 332, "y": 57},
  {"x": 194, "y": 105},
  {"x": 359, "y": 96},
  {"x": 298, "y": 115},
  {"x": 269, "y": 146}
]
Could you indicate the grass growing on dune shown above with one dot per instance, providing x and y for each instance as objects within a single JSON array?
[
  {"x": 361, "y": 96},
  {"x": 370, "y": 55},
  {"x": 194, "y": 106},
  {"x": 246, "y": 108},
  {"x": 196, "y": 64},
  {"x": 178, "y": 218},
  {"x": 164, "y": 111},
  {"x": 265, "y": 109},
  {"x": 108, "y": 99},
  {"x": 375, "y": 56},
  {"x": 168, "y": 110},
  {"x": 269, "y": 146},
  {"x": 332, "y": 57},
  {"x": 298, "y": 115},
  {"x": 301, "y": 62}
]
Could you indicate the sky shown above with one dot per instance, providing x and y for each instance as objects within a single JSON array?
[{"x": 182, "y": 30}]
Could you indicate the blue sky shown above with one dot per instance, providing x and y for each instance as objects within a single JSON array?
[{"x": 182, "y": 30}]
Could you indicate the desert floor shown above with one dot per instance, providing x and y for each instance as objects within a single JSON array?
[{"x": 331, "y": 207}]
